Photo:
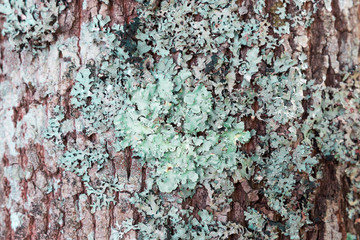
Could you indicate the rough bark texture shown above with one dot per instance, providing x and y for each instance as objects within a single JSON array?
[
  {"x": 333, "y": 48},
  {"x": 28, "y": 164}
]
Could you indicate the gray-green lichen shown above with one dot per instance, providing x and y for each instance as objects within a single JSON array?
[
  {"x": 181, "y": 117},
  {"x": 176, "y": 86},
  {"x": 29, "y": 24}
]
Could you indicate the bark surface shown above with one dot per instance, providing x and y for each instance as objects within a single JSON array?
[{"x": 28, "y": 165}]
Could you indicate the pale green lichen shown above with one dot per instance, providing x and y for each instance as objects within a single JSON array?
[
  {"x": 16, "y": 220},
  {"x": 174, "y": 86},
  {"x": 31, "y": 25}
]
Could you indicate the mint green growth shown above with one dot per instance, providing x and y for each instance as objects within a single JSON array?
[
  {"x": 162, "y": 126},
  {"x": 29, "y": 25},
  {"x": 175, "y": 85}
]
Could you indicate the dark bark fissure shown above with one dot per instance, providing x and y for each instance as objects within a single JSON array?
[
  {"x": 128, "y": 161},
  {"x": 79, "y": 6}
]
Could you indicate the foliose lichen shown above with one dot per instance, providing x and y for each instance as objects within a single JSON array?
[
  {"x": 178, "y": 86},
  {"x": 174, "y": 86},
  {"x": 29, "y": 24}
]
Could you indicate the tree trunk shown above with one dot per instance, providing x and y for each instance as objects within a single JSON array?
[{"x": 41, "y": 200}]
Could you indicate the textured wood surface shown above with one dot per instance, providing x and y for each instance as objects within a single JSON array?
[{"x": 29, "y": 165}]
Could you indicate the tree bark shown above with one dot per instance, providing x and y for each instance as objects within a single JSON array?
[
  {"x": 29, "y": 164},
  {"x": 333, "y": 48}
]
